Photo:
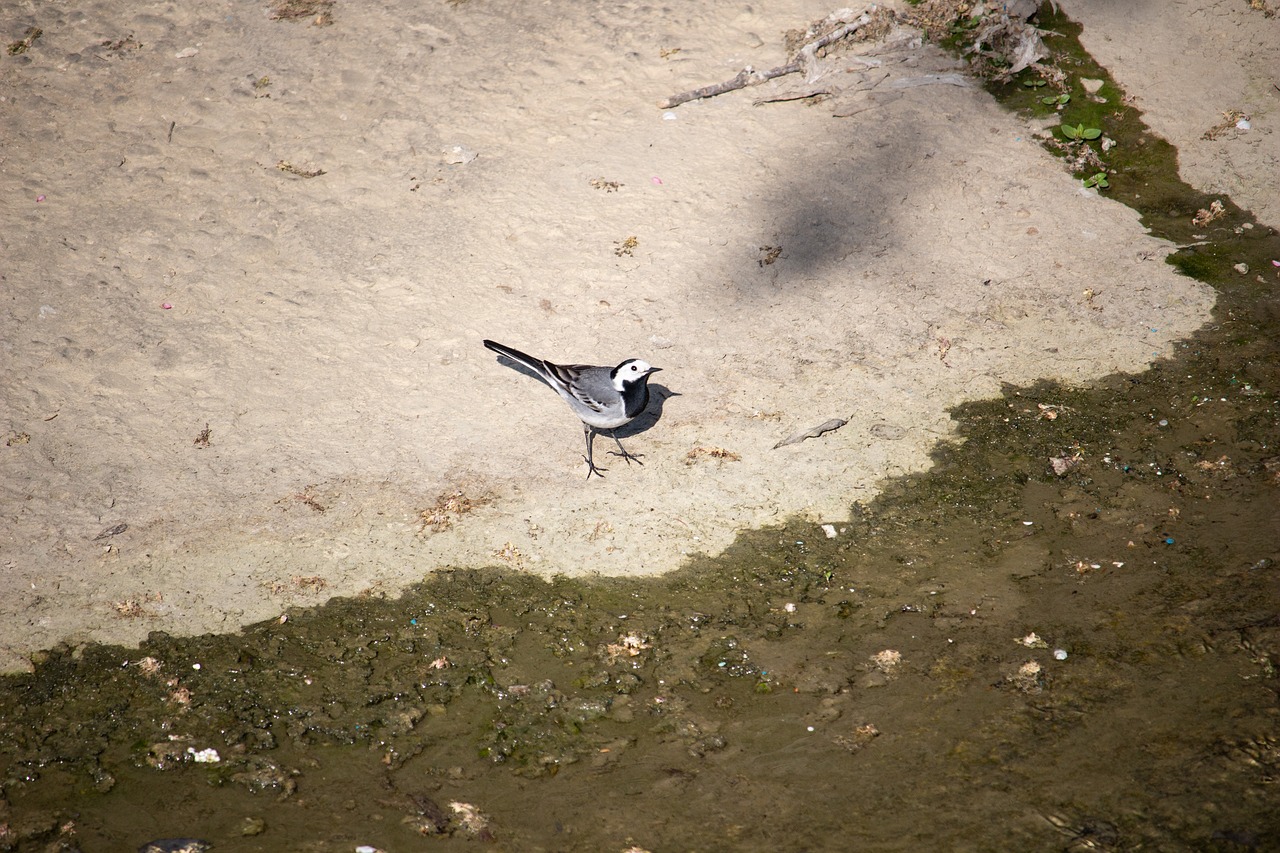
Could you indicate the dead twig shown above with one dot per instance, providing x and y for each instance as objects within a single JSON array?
[
  {"x": 805, "y": 59},
  {"x": 746, "y": 77}
]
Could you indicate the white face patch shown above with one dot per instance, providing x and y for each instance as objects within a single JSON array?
[{"x": 630, "y": 372}]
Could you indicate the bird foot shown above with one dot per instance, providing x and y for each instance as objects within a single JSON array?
[
  {"x": 592, "y": 469},
  {"x": 628, "y": 456}
]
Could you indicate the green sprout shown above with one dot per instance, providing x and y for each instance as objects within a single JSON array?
[
  {"x": 1056, "y": 100},
  {"x": 1080, "y": 132},
  {"x": 1098, "y": 181}
]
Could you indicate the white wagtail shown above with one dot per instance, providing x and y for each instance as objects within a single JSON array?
[{"x": 605, "y": 398}]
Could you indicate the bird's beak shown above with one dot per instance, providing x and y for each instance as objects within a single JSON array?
[{"x": 654, "y": 369}]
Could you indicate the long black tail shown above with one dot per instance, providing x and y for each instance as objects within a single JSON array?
[
  {"x": 537, "y": 365},
  {"x": 516, "y": 355}
]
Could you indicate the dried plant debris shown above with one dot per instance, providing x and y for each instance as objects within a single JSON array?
[
  {"x": 202, "y": 437},
  {"x": 607, "y": 186},
  {"x": 625, "y": 248},
  {"x": 720, "y": 453},
  {"x": 768, "y": 254},
  {"x": 309, "y": 583},
  {"x": 286, "y": 166},
  {"x": 1231, "y": 120},
  {"x": 305, "y": 497},
  {"x": 803, "y": 47},
  {"x": 449, "y": 507},
  {"x": 880, "y": 21},
  {"x": 132, "y": 608},
  {"x": 23, "y": 44},
  {"x": 320, "y": 11},
  {"x": 859, "y": 738},
  {"x": 121, "y": 46},
  {"x": 510, "y": 555},
  {"x": 1263, "y": 7},
  {"x": 114, "y": 530},
  {"x": 1001, "y": 39},
  {"x": 1203, "y": 217}
]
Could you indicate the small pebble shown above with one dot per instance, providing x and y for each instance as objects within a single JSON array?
[{"x": 1059, "y": 654}]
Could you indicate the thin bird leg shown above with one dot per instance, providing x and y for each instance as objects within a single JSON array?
[
  {"x": 624, "y": 454},
  {"x": 591, "y": 466}
]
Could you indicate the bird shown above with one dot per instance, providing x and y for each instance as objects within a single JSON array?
[{"x": 604, "y": 398}]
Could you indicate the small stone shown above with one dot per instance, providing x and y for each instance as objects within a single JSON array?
[
  {"x": 1091, "y": 85},
  {"x": 1243, "y": 269}
]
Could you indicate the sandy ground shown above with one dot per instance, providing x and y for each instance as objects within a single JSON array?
[{"x": 172, "y": 264}]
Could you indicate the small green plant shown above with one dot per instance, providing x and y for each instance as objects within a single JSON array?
[
  {"x": 1056, "y": 100},
  {"x": 1079, "y": 133},
  {"x": 1098, "y": 181},
  {"x": 1035, "y": 84}
]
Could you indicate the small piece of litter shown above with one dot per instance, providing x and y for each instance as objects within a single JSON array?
[
  {"x": 657, "y": 182},
  {"x": 459, "y": 155},
  {"x": 204, "y": 756},
  {"x": 165, "y": 305},
  {"x": 830, "y": 530},
  {"x": 668, "y": 116},
  {"x": 1059, "y": 654}
]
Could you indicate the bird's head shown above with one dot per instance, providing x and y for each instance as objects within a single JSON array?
[{"x": 632, "y": 371}]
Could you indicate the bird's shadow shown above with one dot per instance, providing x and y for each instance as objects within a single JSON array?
[
  {"x": 658, "y": 396},
  {"x": 520, "y": 368}
]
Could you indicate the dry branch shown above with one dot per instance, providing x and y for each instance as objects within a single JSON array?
[{"x": 805, "y": 59}]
